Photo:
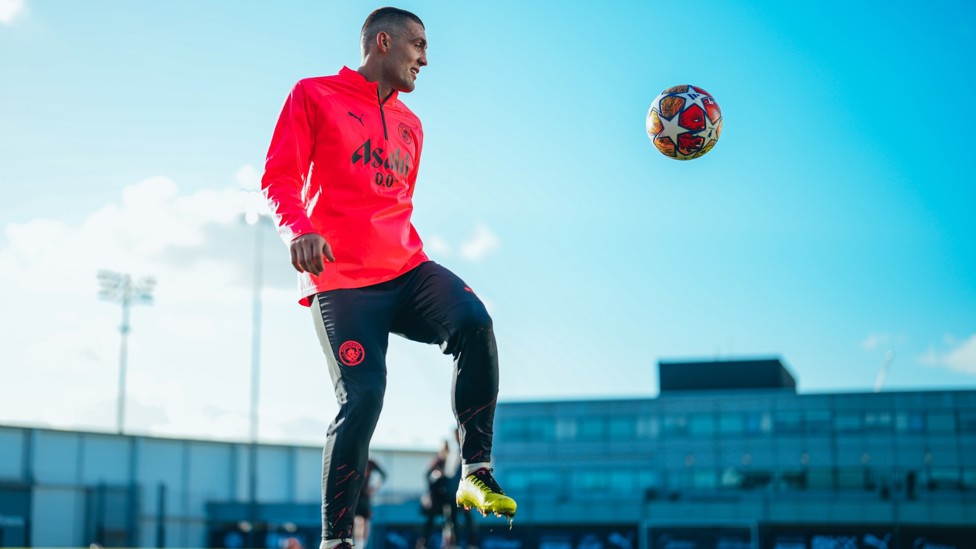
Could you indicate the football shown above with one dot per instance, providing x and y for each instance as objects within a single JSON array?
[{"x": 684, "y": 122}]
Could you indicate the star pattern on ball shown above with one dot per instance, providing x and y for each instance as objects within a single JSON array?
[
  {"x": 671, "y": 128},
  {"x": 692, "y": 97},
  {"x": 710, "y": 132}
]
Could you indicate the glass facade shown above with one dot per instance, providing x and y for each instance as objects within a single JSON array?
[{"x": 716, "y": 454}]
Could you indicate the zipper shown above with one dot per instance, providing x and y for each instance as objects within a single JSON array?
[{"x": 386, "y": 136}]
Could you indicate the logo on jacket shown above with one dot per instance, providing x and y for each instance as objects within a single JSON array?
[
  {"x": 360, "y": 117},
  {"x": 405, "y": 134},
  {"x": 351, "y": 353},
  {"x": 397, "y": 162}
]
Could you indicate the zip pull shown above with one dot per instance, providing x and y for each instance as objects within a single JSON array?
[{"x": 386, "y": 135}]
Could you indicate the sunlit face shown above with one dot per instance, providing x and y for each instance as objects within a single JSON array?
[{"x": 407, "y": 53}]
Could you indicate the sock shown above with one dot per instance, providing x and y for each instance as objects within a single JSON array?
[{"x": 468, "y": 468}]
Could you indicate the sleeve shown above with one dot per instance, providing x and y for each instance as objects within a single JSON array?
[{"x": 287, "y": 165}]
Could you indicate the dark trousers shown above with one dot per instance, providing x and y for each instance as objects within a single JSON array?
[{"x": 429, "y": 304}]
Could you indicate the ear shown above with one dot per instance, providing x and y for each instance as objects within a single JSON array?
[{"x": 383, "y": 41}]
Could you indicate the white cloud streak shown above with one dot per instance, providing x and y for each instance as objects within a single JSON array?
[
  {"x": 189, "y": 353},
  {"x": 480, "y": 244},
  {"x": 960, "y": 357},
  {"x": 11, "y": 10}
]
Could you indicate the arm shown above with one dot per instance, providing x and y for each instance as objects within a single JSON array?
[{"x": 286, "y": 168}]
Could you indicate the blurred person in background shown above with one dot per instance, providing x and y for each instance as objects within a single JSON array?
[{"x": 373, "y": 480}]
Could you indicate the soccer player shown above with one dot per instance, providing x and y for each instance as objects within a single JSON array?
[
  {"x": 339, "y": 177},
  {"x": 373, "y": 479}
]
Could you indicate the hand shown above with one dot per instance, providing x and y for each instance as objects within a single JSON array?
[{"x": 307, "y": 252}]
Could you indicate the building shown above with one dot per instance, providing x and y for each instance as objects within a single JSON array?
[
  {"x": 71, "y": 489},
  {"x": 730, "y": 456}
]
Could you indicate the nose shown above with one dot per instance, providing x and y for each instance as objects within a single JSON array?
[{"x": 423, "y": 60}]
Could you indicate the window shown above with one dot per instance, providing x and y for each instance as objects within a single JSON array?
[
  {"x": 745, "y": 479},
  {"x": 590, "y": 481},
  {"x": 758, "y": 422},
  {"x": 703, "y": 479},
  {"x": 695, "y": 479},
  {"x": 623, "y": 482},
  {"x": 942, "y": 478},
  {"x": 675, "y": 425},
  {"x": 565, "y": 428},
  {"x": 731, "y": 478},
  {"x": 526, "y": 481},
  {"x": 592, "y": 428},
  {"x": 701, "y": 425},
  {"x": 818, "y": 421},
  {"x": 648, "y": 427},
  {"x": 820, "y": 479},
  {"x": 969, "y": 479},
  {"x": 878, "y": 422},
  {"x": 731, "y": 423},
  {"x": 910, "y": 422},
  {"x": 788, "y": 422},
  {"x": 852, "y": 478},
  {"x": 940, "y": 422},
  {"x": 648, "y": 479},
  {"x": 793, "y": 480},
  {"x": 623, "y": 428},
  {"x": 848, "y": 422},
  {"x": 967, "y": 420},
  {"x": 529, "y": 429}
]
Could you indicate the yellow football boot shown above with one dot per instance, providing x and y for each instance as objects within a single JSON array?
[{"x": 480, "y": 491}]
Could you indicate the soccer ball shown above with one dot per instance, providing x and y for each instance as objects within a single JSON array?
[{"x": 684, "y": 122}]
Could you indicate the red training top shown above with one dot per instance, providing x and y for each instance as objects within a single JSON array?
[{"x": 343, "y": 164}]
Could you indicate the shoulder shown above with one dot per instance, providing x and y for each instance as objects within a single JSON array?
[
  {"x": 318, "y": 83},
  {"x": 406, "y": 113}
]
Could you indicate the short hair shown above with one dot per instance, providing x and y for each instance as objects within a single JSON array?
[{"x": 387, "y": 20}]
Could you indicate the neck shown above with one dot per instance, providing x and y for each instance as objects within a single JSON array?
[{"x": 372, "y": 74}]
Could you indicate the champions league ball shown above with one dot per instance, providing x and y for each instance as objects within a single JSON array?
[{"x": 684, "y": 122}]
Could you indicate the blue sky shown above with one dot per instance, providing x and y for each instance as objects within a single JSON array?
[{"x": 833, "y": 222}]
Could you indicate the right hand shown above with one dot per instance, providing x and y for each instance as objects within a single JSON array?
[{"x": 307, "y": 252}]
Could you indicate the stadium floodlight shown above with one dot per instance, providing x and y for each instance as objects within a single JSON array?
[
  {"x": 120, "y": 288},
  {"x": 255, "y": 215}
]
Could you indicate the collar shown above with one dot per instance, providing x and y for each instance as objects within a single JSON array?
[{"x": 368, "y": 89}]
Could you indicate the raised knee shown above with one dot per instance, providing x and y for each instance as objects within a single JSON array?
[{"x": 475, "y": 320}]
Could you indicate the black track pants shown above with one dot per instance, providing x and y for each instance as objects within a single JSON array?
[{"x": 429, "y": 304}]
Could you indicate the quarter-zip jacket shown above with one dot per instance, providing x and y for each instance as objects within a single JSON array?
[{"x": 343, "y": 163}]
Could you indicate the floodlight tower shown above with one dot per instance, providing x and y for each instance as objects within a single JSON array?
[
  {"x": 883, "y": 372},
  {"x": 120, "y": 288},
  {"x": 256, "y": 216}
]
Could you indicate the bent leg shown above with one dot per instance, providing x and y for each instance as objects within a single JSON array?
[{"x": 442, "y": 309}]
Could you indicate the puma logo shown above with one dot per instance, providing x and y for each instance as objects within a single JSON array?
[{"x": 360, "y": 117}]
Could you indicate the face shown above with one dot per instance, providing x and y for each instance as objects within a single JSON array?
[{"x": 407, "y": 53}]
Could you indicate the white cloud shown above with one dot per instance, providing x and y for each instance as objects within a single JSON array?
[
  {"x": 875, "y": 340},
  {"x": 189, "y": 353},
  {"x": 248, "y": 178},
  {"x": 438, "y": 246},
  {"x": 10, "y": 10},
  {"x": 960, "y": 357},
  {"x": 481, "y": 243}
]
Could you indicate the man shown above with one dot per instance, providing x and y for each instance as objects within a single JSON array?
[
  {"x": 373, "y": 479},
  {"x": 437, "y": 501},
  {"x": 340, "y": 177}
]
